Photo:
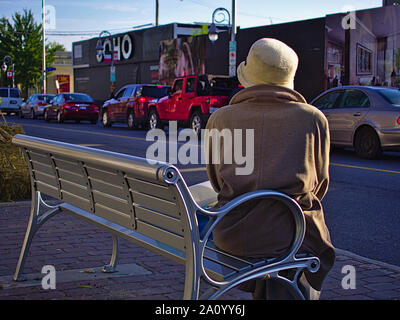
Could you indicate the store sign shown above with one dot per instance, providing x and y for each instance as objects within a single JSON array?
[{"x": 123, "y": 48}]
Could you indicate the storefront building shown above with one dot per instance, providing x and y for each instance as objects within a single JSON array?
[{"x": 361, "y": 47}]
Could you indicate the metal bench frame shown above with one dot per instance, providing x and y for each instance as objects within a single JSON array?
[{"x": 171, "y": 233}]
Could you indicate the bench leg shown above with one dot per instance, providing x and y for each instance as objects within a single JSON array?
[
  {"x": 112, "y": 267},
  {"x": 35, "y": 222},
  {"x": 192, "y": 283}
]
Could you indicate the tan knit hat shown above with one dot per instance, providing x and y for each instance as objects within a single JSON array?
[{"x": 269, "y": 61}]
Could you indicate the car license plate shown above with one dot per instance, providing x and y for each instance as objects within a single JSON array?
[{"x": 82, "y": 108}]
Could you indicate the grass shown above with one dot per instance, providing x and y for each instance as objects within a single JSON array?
[{"x": 14, "y": 174}]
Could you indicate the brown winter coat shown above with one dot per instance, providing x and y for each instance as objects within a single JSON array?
[{"x": 291, "y": 155}]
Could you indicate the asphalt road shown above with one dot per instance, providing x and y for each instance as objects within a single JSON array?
[{"x": 362, "y": 207}]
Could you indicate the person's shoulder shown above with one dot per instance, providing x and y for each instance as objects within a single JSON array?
[
  {"x": 220, "y": 114},
  {"x": 313, "y": 111}
]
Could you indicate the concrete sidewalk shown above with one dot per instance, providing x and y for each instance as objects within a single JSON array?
[{"x": 77, "y": 250}]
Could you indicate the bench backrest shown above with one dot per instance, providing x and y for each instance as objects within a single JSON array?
[{"x": 148, "y": 198}]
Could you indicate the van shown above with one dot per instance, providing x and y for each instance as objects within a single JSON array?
[{"x": 10, "y": 100}]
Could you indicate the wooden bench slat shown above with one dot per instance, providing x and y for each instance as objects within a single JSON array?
[
  {"x": 46, "y": 178},
  {"x": 72, "y": 188},
  {"x": 111, "y": 202},
  {"x": 37, "y": 166},
  {"x": 115, "y": 216},
  {"x": 149, "y": 188},
  {"x": 105, "y": 187},
  {"x": 155, "y": 204},
  {"x": 170, "y": 223},
  {"x": 71, "y": 176},
  {"x": 77, "y": 201},
  {"x": 67, "y": 165},
  {"x": 47, "y": 189},
  {"x": 40, "y": 157},
  {"x": 171, "y": 239},
  {"x": 107, "y": 176}
]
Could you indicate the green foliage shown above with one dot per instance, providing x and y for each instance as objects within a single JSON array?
[
  {"x": 21, "y": 39},
  {"x": 14, "y": 175}
]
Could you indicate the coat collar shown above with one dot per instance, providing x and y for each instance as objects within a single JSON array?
[{"x": 263, "y": 93}]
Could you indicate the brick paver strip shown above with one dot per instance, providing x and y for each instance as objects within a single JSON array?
[{"x": 72, "y": 245}]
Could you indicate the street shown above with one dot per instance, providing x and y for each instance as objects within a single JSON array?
[{"x": 362, "y": 207}]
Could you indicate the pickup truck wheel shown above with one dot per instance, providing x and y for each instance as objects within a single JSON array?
[
  {"x": 154, "y": 120},
  {"x": 46, "y": 116},
  {"x": 196, "y": 122},
  {"x": 105, "y": 120},
  {"x": 33, "y": 115},
  {"x": 131, "y": 120},
  {"x": 60, "y": 117}
]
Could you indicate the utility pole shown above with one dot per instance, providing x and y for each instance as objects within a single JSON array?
[
  {"x": 44, "y": 45},
  {"x": 233, "y": 26},
  {"x": 157, "y": 11}
]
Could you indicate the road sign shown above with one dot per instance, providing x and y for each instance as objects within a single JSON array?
[
  {"x": 112, "y": 74},
  {"x": 48, "y": 69},
  {"x": 116, "y": 56},
  {"x": 107, "y": 56},
  {"x": 9, "y": 74},
  {"x": 232, "y": 58}
]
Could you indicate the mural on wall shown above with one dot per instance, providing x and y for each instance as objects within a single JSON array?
[
  {"x": 365, "y": 51},
  {"x": 63, "y": 83},
  {"x": 182, "y": 56}
]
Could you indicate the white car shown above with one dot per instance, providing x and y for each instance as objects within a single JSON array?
[{"x": 10, "y": 100}]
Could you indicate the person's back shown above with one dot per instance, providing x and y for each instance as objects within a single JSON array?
[{"x": 291, "y": 155}]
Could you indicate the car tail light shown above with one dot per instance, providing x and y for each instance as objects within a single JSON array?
[
  {"x": 398, "y": 120},
  {"x": 69, "y": 106},
  {"x": 213, "y": 101},
  {"x": 142, "y": 99},
  {"x": 41, "y": 104}
]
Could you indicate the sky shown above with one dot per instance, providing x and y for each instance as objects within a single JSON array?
[{"x": 90, "y": 17}]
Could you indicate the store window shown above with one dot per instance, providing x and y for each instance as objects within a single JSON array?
[{"x": 364, "y": 60}]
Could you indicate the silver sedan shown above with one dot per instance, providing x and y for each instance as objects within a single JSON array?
[{"x": 366, "y": 118}]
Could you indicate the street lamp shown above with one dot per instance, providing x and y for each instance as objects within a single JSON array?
[
  {"x": 100, "y": 52},
  {"x": 4, "y": 67},
  {"x": 213, "y": 34},
  {"x": 212, "y": 31}
]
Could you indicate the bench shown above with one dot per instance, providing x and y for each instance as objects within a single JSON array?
[{"x": 149, "y": 204}]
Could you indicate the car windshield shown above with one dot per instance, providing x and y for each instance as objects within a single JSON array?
[
  {"x": 4, "y": 92},
  {"x": 391, "y": 95},
  {"x": 46, "y": 98},
  {"x": 78, "y": 97},
  {"x": 154, "y": 92},
  {"x": 14, "y": 93}
]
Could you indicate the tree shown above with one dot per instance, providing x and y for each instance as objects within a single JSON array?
[{"x": 21, "y": 39}]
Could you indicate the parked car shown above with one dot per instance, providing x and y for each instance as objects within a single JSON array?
[
  {"x": 72, "y": 106},
  {"x": 130, "y": 104},
  {"x": 34, "y": 106},
  {"x": 366, "y": 118},
  {"x": 10, "y": 100},
  {"x": 192, "y": 100}
]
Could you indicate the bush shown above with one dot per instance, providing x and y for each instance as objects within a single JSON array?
[{"x": 14, "y": 174}]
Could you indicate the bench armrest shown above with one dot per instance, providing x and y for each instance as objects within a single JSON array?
[
  {"x": 204, "y": 194},
  {"x": 297, "y": 213}
]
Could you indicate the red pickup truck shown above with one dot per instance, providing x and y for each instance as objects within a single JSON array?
[{"x": 191, "y": 101}]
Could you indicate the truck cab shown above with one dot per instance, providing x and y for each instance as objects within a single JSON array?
[{"x": 190, "y": 102}]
